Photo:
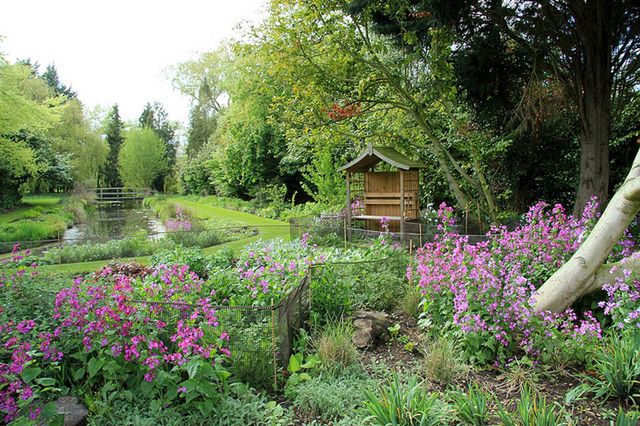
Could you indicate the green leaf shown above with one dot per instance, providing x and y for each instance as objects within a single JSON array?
[
  {"x": 28, "y": 374},
  {"x": 146, "y": 387},
  {"x": 304, "y": 377},
  {"x": 278, "y": 411},
  {"x": 94, "y": 365},
  {"x": 294, "y": 364},
  {"x": 155, "y": 405},
  {"x": 172, "y": 394},
  {"x": 46, "y": 381},
  {"x": 192, "y": 368},
  {"x": 78, "y": 374},
  {"x": 50, "y": 409}
]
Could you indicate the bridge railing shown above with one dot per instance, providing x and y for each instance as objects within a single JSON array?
[{"x": 121, "y": 194}]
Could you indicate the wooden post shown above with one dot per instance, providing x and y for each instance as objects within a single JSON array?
[
  {"x": 466, "y": 219},
  {"x": 344, "y": 229},
  {"x": 402, "y": 205},
  {"x": 273, "y": 346},
  {"x": 420, "y": 227},
  {"x": 348, "y": 220},
  {"x": 410, "y": 260}
]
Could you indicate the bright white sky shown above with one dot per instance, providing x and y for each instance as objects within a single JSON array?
[{"x": 118, "y": 51}]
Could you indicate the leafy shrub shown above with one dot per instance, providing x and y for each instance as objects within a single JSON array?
[
  {"x": 113, "y": 249},
  {"x": 405, "y": 404},
  {"x": 483, "y": 291},
  {"x": 332, "y": 397},
  {"x": 197, "y": 260},
  {"x": 443, "y": 364},
  {"x": 199, "y": 238},
  {"x": 240, "y": 405},
  {"x": 104, "y": 340},
  {"x": 335, "y": 347}
]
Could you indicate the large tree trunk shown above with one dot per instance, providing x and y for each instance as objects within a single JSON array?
[
  {"x": 594, "y": 153},
  {"x": 586, "y": 271},
  {"x": 590, "y": 62}
]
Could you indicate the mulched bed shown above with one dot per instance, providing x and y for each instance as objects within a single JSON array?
[{"x": 552, "y": 385}]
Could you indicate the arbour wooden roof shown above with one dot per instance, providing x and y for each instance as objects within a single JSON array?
[{"x": 373, "y": 155}]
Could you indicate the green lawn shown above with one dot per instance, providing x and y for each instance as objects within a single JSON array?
[
  {"x": 39, "y": 217},
  {"x": 202, "y": 208},
  {"x": 28, "y": 206}
]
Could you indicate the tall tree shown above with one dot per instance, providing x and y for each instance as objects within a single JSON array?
[
  {"x": 142, "y": 158},
  {"x": 113, "y": 131},
  {"x": 203, "y": 120},
  {"x": 156, "y": 118},
  {"x": 202, "y": 80},
  {"x": 591, "y": 47},
  {"x": 27, "y": 112},
  {"x": 50, "y": 76}
]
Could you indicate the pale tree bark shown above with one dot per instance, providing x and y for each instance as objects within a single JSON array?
[{"x": 586, "y": 270}]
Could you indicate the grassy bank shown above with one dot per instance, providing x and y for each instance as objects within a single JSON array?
[
  {"x": 40, "y": 217},
  {"x": 202, "y": 209}
]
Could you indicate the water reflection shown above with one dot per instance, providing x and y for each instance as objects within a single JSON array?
[{"x": 119, "y": 221}]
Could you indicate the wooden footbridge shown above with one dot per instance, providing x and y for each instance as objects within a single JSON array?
[{"x": 120, "y": 195}]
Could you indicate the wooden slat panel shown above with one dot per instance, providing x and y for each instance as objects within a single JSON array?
[
  {"x": 387, "y": 201},
  {"x": 407, "y": 194}
]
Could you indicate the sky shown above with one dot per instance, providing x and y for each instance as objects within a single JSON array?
[{"x": 120, "y": 51}]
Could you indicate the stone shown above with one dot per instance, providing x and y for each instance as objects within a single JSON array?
[
  {"x": 75, "y": 414},
  {"x": 369, "y": 325}
]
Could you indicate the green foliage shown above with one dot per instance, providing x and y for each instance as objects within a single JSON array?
[
  {"x": 626, "y": 419},
  {"x": 75, "y": 138},
  {"x": 411, "y": 300},
  {"x": 197, "y": 260},
  {"x": 27, "y": 109},
  {"x": 339, "y": 289},
  {"x": 239, "y": 406},
  {"x": 407, "y": 404},
  {"x": 114, "y": 137},
  {"x": 155, "y": 117},
  {"x": 300, "y": 368},
  {"x": 332, "y": 397},
  {"x": 532, "y": 410},
  {"x": 334, "y": 346},
  {"x": 473, "y": 406},
  {"x": 112, "y": 249},
  {"x": 443, "y": 363},
  {"x": 617, "y": 366},
  {"x": 326, "y": 184},
  {"x": 41, "y": 218},
  {"x": 142, "y": 158}
]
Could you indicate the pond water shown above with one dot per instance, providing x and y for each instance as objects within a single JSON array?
[{"x": 107, "y": 222}]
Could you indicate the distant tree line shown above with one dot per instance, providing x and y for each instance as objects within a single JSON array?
[{"x": 49, "y": 142}]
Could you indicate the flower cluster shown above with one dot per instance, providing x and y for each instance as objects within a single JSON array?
[
  {"x": 623, "y": 296},
  {"x": 180, "y": 223},
  {"x": 155, "y": 322},
  {"x": 487, "y": 289},
  {"x": 111, "y": 327},
  {"x": 270, "y": 270},
  {"x": 384, "y": 224}
]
